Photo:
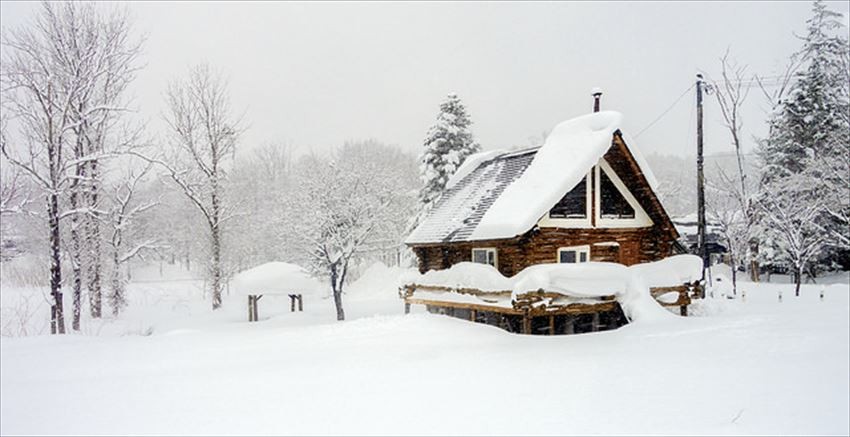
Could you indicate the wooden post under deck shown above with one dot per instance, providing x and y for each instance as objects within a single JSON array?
[
  {"x": 551, "y": 325},
  {"x": 526, "y": 323},
  {"x": 570, "y": 327}
]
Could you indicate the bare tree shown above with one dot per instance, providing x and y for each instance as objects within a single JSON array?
[
  {"x": 100, "y": 46},
  {"x": 790, "y": 208},
  {"x": 347, "y": 205},
  {"x": 15, "y": 195},
  {"x": 62, "y": 78},
  {"x": 203, "y": 136},
  {"x": 40, "y": 93},
  {"x": 731, "y": 92},
  {"x": 125, "y": 241},
  {"x": 727, "y": 207}
]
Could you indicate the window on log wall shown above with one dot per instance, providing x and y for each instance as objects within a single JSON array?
[
  {"x": 485, "y": 256},
  {"x": 614, "y": 205},
  {"x": 574, "y": 204},
  {"x": 576, "y": 254}
]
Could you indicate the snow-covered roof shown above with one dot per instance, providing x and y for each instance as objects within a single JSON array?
[
  {"x": 502, "y": 195},
  {"x": 462, "y": 206},
  {"x": 275, "y": 277}
]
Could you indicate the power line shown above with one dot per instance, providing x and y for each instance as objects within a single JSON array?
[{"x": 665, "y": 111}]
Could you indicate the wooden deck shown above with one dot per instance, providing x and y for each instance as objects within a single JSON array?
[{"x": 537, "y": 312}]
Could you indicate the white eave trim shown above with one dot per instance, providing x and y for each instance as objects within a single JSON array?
[{"x": 641, "y": 218}]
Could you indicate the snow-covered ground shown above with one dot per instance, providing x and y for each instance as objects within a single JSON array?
[{"x": 169, "y": 365}]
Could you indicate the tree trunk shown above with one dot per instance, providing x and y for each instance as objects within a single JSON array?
[
  {"x": 215, "y": 269},
  {"x": 76, "y": 244},
  {"x": 116, "y": 297},
  {"x": 754, "y": 264},
  {"x": 93, "y": 237},
  {"x": 734, "y": 276},
  {"x": 336, "y": 285},
  {"x": 215, "y": 231},
  {"x": 57, "y": 320},
  {"x": 340, "y": 313},
  {"x": 798, "y": 273}
]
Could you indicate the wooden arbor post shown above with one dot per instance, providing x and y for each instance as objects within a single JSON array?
[
  {"x": 295, "y": 298},
  {"x": 252, "y": 307}
]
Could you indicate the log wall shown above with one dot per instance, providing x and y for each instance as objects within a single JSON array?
[{"x": 540, "y": 246}]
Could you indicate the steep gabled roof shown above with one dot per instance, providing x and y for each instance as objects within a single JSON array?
[
  {"x": 459, "y": 210},
  {"x": 497, "y": 196}
]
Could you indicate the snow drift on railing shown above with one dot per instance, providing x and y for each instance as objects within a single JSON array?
[{"x": 630, "y": 285}]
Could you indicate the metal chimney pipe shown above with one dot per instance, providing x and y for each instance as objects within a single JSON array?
[{"x": 597, "y": 95}]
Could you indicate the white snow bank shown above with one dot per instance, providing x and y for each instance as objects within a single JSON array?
[
  {"x": 674, "y": 270},
  {"x": 462, "y": 275},
  {"x": 592, "y": 279},
  {"x": 573, "y": 147},
  {"x": 637, "y": 303},
  {"x": 378, "y": 280},
  {"x": 276, "y": 277}
]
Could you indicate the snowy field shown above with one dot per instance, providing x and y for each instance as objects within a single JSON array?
[{"x": 171, "y": 366}]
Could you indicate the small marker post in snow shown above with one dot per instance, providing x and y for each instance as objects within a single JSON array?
[
  {"x": 780, "y": 295},
  {"x": 822, "y": 289}
]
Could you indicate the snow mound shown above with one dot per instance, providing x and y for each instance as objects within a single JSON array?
[
  {"x": 674, "y": 270},
  {"x": 276, "y": 277},
  {"x": 593, "y": 279},
  {"x": 378, "y": 280},
  {"x": 637, "y": 302},
  {"x": 483, "y": 277}
]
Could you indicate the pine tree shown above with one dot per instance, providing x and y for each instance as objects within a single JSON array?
[
  {"x": 447, "y": 144},
  {"x": 805, "y": 154},
  {"x": 812, "y": 121}
]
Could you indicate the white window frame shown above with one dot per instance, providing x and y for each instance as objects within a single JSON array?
[
  {"x": 489, "y": 250},
  {"x": 641, "y": 218},
  {"x": 578, "y": 223},
  {"x": 577, "y": 249}
]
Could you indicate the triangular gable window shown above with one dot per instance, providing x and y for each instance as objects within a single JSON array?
[
  {"x": 573, "y": 204},
  {"x": 613, "y": 203}
]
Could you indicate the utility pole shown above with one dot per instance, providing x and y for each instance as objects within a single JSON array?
[{"x": 703, "y": 253}]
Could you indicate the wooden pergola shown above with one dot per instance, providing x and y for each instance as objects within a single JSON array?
[{"x": 253, "y": 299}]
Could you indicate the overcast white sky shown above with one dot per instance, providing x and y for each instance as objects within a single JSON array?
[{"x": 316, "y": 74}]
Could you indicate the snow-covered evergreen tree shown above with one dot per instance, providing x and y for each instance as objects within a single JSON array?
[
  {"x": 447, "y": 144},
  {"x": 805, "y": 154},
  {"x": 812, "y": 120}
]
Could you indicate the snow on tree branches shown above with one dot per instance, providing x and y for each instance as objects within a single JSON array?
[{"x": 447, "y": 144}]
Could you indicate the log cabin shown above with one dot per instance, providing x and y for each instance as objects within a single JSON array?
[{"x": 587, "y": 194}]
